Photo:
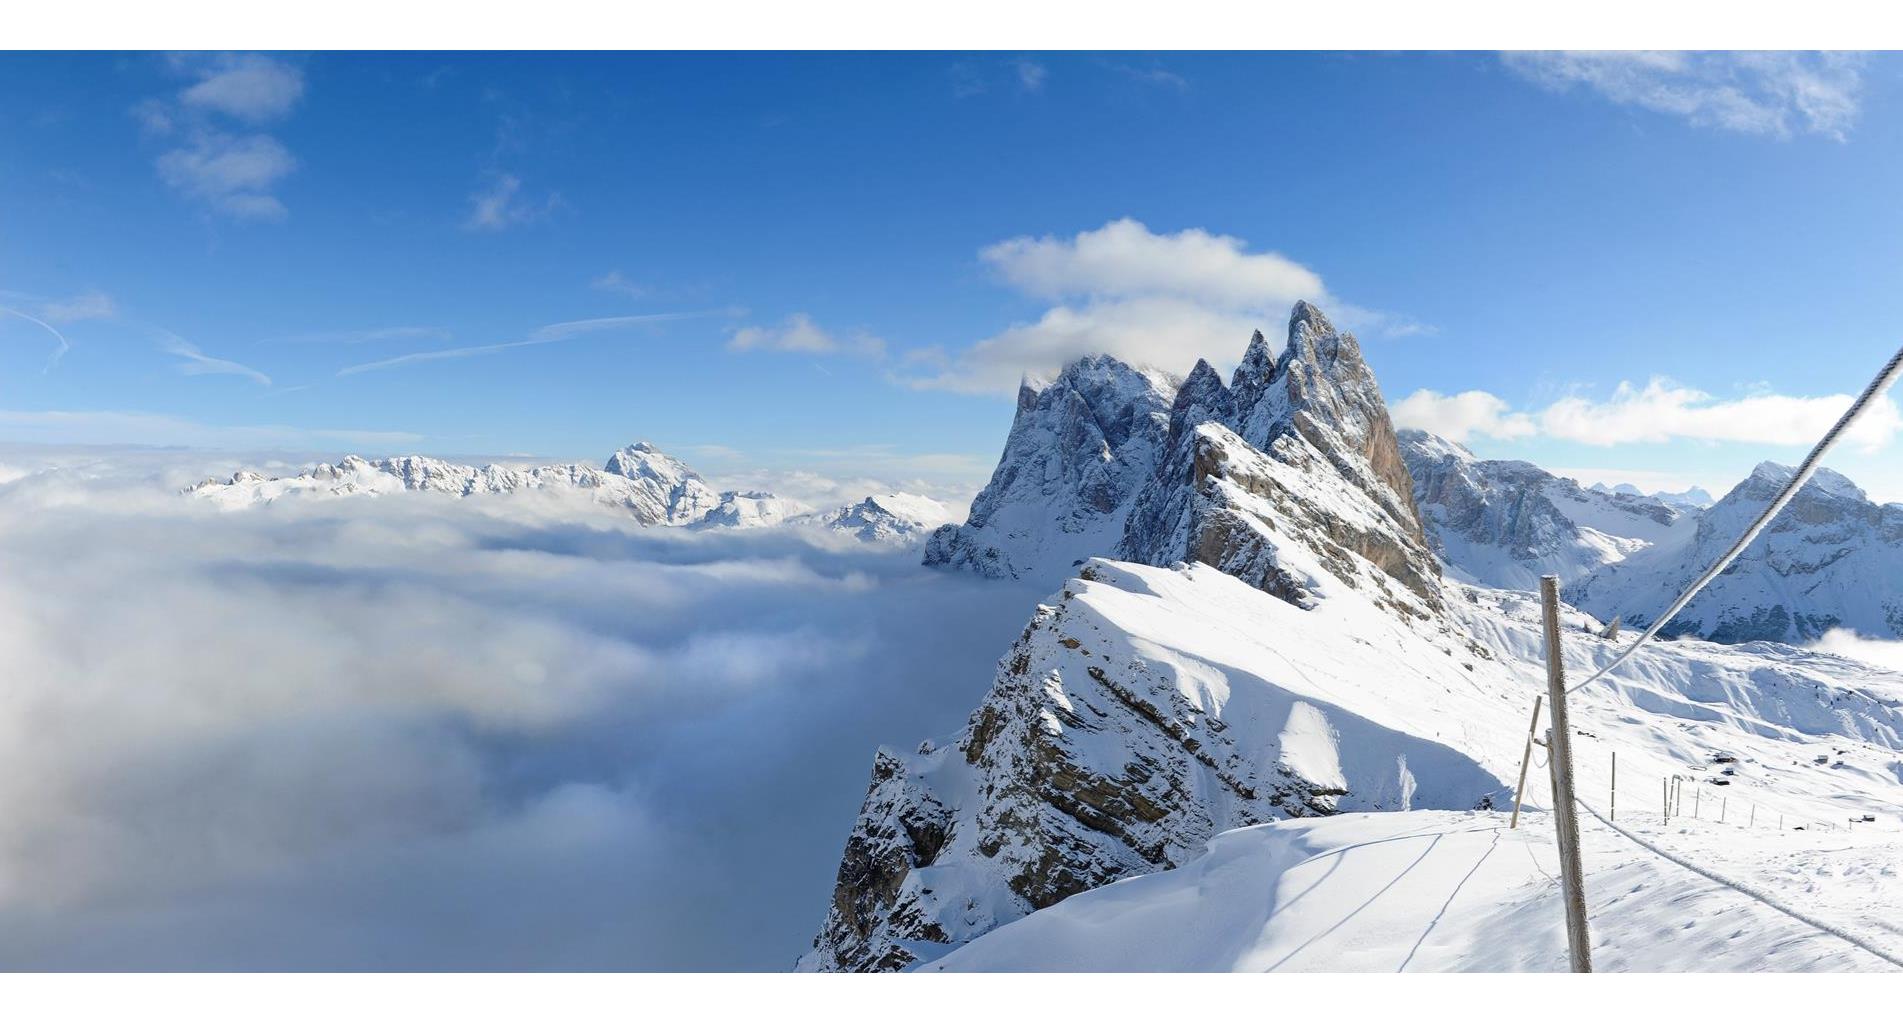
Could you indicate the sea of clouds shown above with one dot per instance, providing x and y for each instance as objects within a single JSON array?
[{"x": 419, "y": 733}]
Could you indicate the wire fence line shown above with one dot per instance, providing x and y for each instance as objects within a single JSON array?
[
  {"x": 1751, "y": 891},
  {"x": 1805, "y": 470}
]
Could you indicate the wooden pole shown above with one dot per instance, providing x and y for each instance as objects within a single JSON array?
[
  {"x": 1753, "y": 823},
  {"x": 1519, "y": 790},
  {"x": 1559, "y": 751},
  {"x": 1612, "y": 801},
  {"x": 1698, "y": 801},
  {"x": 1723, "y": 802},
  {"x": 1665, "y": 801}
]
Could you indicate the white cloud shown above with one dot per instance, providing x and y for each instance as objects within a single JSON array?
[
  {"x": 318, "y": 724},
  {"x": 234, "y": 174},
  {"x": 1459, "y": 417},
  {"x": 1156, "y": 299},
  {"x": 499, "y": 205},
  {"x": 1158, "y": 331},
  {"x": 616, "y": 283},
  {"x": 1869, "y": 650},
  {"x": 1773, "y": 94},
  {"x": 798, "y": 333},
  {"x": 197, "y": 363},
  {"x": 1124, "y": 258},
  {"x": 1658, "y": 412},
  {"x": 1031, "y": 75},
  {"x": 246, "y": 86}
]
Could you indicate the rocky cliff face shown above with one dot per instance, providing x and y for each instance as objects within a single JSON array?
[
  {"x": 1146, "y": 708},
  {"x": 1504, "y": 524},
  {"x": 1079, "y": 449},
  {"x": 1289, "y": 474},
  {"x": 1831, "y": 558}
]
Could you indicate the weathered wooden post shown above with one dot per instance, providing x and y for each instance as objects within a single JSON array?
[
  {"x": 1612, "y": 801},
  {"x": 1665, "y": 801},
  {"x": 1519, "y": 791},
  {"x": 1559, "y": 750}
]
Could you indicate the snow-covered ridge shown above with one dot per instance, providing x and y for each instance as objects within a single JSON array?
[{"x": 649, "y": 485}]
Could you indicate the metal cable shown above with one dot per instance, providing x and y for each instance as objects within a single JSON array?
[{"x": 1883, "y": 380}]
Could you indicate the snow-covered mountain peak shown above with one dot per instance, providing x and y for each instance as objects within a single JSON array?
[
  {"x": 1767, "y": 478},
  {"x": 1421, "y": 444},
  {"x": 1079, "y": 449},
  {"x": 1295, "y": 455},
  {"x": 1505, "y": 523},
  {"x": 1827, "y": 560}
]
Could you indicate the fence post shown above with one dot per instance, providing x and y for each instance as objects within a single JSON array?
[
  {"x": 1753, "y": 823},
  {"x": 1520, "y": 790},
  {"x": 1559, "y": 751},
  {"x": 1723, "y": 802},
  {"x": 1698, "y": 802},
  {"x": 1665, "y": 801},
  {"x": 1612, "y": 791}
]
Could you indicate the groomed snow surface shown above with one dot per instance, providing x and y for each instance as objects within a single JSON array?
[{"x": 1457, "y": 891}]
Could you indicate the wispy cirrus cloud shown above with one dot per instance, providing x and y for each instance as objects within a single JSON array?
[
  {"x": 1775, "y": 94},
  {"x": 219, "y": 158},
  {"x": 194, "y": 363},
  {"x": 362, "y": 336},
  {"x": 92, "y": 304},
  {"x": 546, "y": 335}
]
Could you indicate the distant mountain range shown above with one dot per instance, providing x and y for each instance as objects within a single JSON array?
[{"x": 652, "y": 487}]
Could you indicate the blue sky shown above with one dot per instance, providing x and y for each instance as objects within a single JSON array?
[{"x": 840, "y": 263}]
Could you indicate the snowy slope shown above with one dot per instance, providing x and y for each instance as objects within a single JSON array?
[
  {"x": 1506, "y": 523},
  {"x": 1146, "y": 710},
  {"x": 1441, "y": 891},
  {"x": 1832, "y": 558}
]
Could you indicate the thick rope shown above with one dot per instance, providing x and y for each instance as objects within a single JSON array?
[{"x": 1883, "y": 380}]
